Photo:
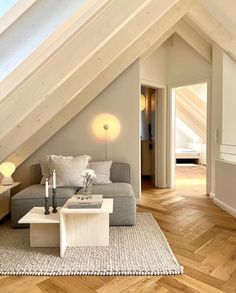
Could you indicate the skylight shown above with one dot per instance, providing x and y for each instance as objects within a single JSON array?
[
  {"x": 6, "y": 5},
  {"x": 30, "y": 30}
]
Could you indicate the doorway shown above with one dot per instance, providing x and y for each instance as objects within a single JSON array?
[
  {"x": 153, "y": 111},
  {"x": 147, "y": 136},
  {"x": 190, "y": 137}
]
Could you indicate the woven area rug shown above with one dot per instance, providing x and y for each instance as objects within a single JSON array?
[{"x": 138, "y": 250}]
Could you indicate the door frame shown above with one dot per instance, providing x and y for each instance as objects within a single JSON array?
[
  {"x": 171, "y": 131},
  {"x": 160, "y": 132}
]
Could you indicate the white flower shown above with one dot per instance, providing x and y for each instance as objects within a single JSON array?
[{"x": 88, "y": 173}]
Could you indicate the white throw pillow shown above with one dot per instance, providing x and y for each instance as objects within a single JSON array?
[
  {"x": 45, "y": 168},
  {"x": 68, "y": 170},
  {"x": 102, "y": 171}
]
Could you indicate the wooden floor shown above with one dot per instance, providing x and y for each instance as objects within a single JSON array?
[{"x": 202, "y": 236}]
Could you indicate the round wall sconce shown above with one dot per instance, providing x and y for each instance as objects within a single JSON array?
[
  {"x": 106, "y": 126},
  {"x": 142, "y": 103},
  {"x": 7, "y": 169}
]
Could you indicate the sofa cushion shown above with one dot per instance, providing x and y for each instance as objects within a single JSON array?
[
  {"x": 114, "y": 190},
  {"x": 124, "y": 208},
  {"x": 38, "y": 191},
  {"x": 68, "y": 170}
]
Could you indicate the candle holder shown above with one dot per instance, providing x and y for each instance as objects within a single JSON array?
[
  {"x": 46, "y": 206},
  {"x": 54, "y": 200}
]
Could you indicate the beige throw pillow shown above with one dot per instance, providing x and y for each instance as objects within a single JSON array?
[
  {"x": 45, "y": 168},
  {"x": 68, "y": 170},
  {"x": 102, "y": 170}
]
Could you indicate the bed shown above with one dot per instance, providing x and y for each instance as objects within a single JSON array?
[{"x": 187, "y": 155}]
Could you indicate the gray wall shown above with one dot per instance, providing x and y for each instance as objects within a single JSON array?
[{"x": 121, "y": 99}]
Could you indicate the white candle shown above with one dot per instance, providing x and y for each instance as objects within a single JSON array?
[
  {"x": 46, "y": 188},
  {"x": 54, "y": 179}
]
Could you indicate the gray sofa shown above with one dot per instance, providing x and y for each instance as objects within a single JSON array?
[{"x": 124, "y": 207}]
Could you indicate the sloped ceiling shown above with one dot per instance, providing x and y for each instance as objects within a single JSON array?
[
  {"x": 191, "y": 107},
  {"x": 135, "y": 35},
  {"x": 224, "y": 11}
]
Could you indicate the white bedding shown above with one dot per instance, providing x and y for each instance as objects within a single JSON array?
[{"x": 186, "y": 154}]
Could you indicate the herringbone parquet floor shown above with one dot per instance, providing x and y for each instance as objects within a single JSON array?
[{"x": 202, "y": 236}]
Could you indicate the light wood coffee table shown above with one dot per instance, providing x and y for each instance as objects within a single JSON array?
[
  {"x": 44, "y": 229},
  {"x": 69, "y": 227},
  {"x": 85, "y": 227}
]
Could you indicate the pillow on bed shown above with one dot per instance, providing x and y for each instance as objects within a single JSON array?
[
  {"x": 68, "y": 170},
  {"x": 45, "y": 168},
  {"x": 102, "y": 170}
]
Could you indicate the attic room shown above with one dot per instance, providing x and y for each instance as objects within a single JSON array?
[{"x": 117, "y": 146}]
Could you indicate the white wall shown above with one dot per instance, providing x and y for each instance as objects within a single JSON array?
[
  {"x": 225, "y": 194},
  {"x": 184, "y": 64},
  {"x": 225, "y": 186},
  {"x": 154, "y": 67},
  {"x": 229, "y": 101},
  {"x": 121, "y": 99},
  {"x": 175, "y": 62},
  {"x": 30, "y": 30},
  {"x": 182, "y": 139}
]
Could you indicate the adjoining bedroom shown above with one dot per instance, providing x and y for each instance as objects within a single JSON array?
[{"x": 190, "y": 136}]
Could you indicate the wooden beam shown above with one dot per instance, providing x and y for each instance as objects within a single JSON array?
[
  {"x": 213, "y": 28},
  {"x": 190, "y": 120},
  {"x": 70, "y": 58},
  {"x": 192, "y": 110},
  {"x": 157, "y": 31},
  {"x": 88, "y": 11},
  {"x": 194, "y": 40},
  {"x": 154, "y": 47},
  {"x": 186, "y": 93}
]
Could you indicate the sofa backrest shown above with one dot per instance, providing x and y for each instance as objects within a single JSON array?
[{"x": 120, "y": 172}]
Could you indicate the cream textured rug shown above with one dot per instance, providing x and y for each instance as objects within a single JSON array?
[{"x": 138, "y": 250}]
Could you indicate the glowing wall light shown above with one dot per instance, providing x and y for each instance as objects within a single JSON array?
[
  {"x": 106, "y": 126},
  {"x": 142, "y": 103},
  {"x": 7, "y": 169}
]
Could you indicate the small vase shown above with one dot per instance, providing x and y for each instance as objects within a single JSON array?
[{"x": 87, "y": 189}]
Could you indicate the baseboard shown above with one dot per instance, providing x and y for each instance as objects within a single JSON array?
[
  {"x": 225, "y": 207},
  {"x": 212, "y": 195}
]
